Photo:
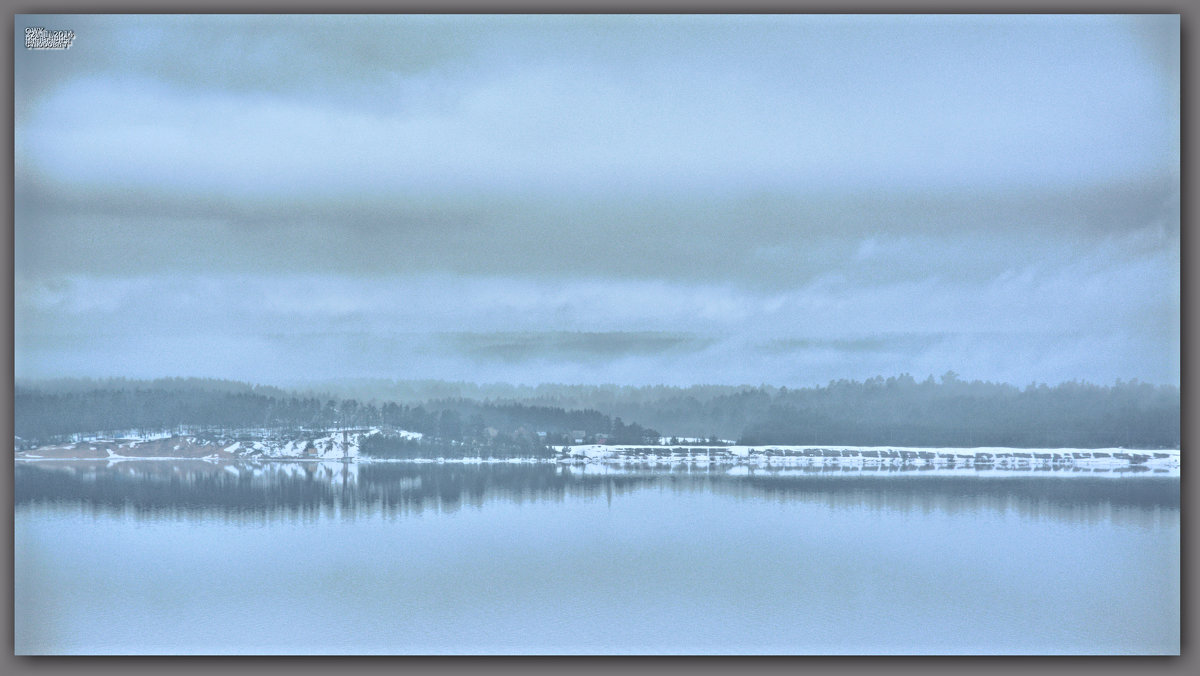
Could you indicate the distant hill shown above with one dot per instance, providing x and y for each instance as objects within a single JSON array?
[{"x": 894, "y": 411}]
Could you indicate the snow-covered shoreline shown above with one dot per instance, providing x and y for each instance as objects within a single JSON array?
[
  {"x": 803, "y": 456},
  {"x": 325, "y": 444},
  {"x": 345, "y": 445}
]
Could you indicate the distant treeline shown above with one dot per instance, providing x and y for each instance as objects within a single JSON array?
[
  {"x": 899, "y": 411},
  {"x": 44, "y": 416},
  {"x": 600, "y": 397},
  {"x": 903, "y": 412}
]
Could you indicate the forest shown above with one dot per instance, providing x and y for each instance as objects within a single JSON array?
[
  {"x": 898, "y": 410},
  {"x": 46, "y": 415}
]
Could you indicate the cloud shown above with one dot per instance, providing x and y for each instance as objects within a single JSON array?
[
  {"x": 772, "y": 241},
  {"x": 585, "y": 105},
  {"x": 674, "y": 199},
  {"x": 1109, "y": 311},
  {"x": 571, "y": 346}
]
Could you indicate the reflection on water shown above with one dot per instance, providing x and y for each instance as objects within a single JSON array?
[
  {"x": 192, "y": 557},
  {"x": 154, "y": 488}
]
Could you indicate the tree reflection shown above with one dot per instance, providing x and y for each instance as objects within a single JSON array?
[{"x": 313, "y": 489}]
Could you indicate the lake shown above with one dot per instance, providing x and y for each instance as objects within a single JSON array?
[{"x": 169, "y": 557}]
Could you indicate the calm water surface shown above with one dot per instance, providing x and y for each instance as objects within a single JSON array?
[{"x": 192, "y": 557}]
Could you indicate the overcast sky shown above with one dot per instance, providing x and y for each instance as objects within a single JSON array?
[{"x": 688, "y": 199}]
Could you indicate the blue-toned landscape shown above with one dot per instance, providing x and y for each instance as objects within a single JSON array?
[{"x": 597, "y": 334}]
